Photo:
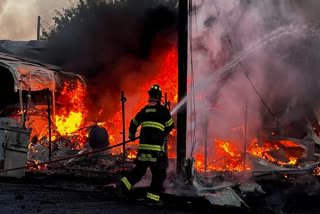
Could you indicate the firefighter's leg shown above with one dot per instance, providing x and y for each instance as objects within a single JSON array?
[
  {"x": 134, "y": 176},
  {"x": 159, "y": 174}
]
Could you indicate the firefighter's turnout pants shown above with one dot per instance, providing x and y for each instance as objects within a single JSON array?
[{"x": 148, "y": 156}]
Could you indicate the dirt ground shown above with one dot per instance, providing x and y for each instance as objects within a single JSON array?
[
  {"x": 18, "y": 198},
  {"x": 37, "y": 199}
]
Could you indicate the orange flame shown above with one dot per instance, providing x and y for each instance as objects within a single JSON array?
[
  {"x": 316, "y": 171},
  {"x": 70, "y": 118},
  {"x": 132, "y": 153},
  {"x": 72, "y": 115},
  {"x": 167, "y": 78},
  {"x": 227, "y": 147},
  {"x": 261, "y": 151},
  {"x": 231, "y": 158}
]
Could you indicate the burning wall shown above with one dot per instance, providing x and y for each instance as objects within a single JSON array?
[{"x": 256, "y": 54}]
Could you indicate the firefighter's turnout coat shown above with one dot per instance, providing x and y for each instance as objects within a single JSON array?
[{"x": 156, "y": 122}]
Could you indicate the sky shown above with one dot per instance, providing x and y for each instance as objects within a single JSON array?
[{"x": 18, "y": 18}]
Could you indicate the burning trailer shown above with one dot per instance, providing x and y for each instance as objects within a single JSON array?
[
  {"x": 35, "y": 89},
  {"x": 28, "y": 92}
]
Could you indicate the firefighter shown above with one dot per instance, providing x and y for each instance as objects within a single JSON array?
[{"x": 156, "y": 122}]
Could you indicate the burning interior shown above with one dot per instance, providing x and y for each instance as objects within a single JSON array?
[{"x": 26, "y": 84}]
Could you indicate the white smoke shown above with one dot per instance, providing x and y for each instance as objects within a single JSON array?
[
  {"x": 2, "y": 4},
  {"x": 18, "y": 18},
  {"x": 273, "y": 43}
]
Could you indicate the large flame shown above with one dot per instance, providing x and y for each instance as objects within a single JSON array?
[
  {"x": 231, "y": 158},
  {"x": 72, "y": 116},
  {"x": 167, "y": 78},
  {"x": 262, "y": 151}
]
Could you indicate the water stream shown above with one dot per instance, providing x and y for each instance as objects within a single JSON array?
[{"x": 252, "y": 48}]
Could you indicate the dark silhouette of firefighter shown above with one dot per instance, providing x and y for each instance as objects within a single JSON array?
[{"x": 156, "y": 122}]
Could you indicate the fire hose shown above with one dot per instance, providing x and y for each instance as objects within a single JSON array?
[{"x": 69, "y": 157}]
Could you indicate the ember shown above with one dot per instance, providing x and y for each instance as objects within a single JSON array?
[
  {"x": 132, "y": 153},
  {"x": 38, "y": 167},
  {"x": 316, "y": 171}
]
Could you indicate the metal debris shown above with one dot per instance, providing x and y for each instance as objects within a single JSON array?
[
  {"x": 225, "y": 197},
  {"x": 13, "y": 150}
]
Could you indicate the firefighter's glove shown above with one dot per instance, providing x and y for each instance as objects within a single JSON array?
[{"x": 132, "y": 137}]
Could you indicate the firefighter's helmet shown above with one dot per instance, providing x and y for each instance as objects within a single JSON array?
[{"x": 155, "y": 92}]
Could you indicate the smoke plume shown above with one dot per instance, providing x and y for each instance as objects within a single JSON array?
[
  {"x": 2, "y": 4},
  {"x": 259, "y": 54},
  {"x": 118, "y": 48}
]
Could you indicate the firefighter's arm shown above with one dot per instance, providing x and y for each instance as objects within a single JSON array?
[
  {"x": 134, "y": 124},
  {"x": 169, "y": 124}
]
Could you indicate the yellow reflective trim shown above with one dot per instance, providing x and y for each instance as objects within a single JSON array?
[
  {"x": 147, "y": 159},
  {"x": 126, "y": 183},
  {"x": 135, "y": 122},
  {"x": 153, "y": 125},
  {"x": 145, "y": 155},
  {"x": 150, "y": 147},
  {"x": 153, "y": 196},
  {"x": 169, "y": 122}
]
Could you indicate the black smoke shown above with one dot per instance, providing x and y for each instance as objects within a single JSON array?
[{"x": 106, "y": 42}]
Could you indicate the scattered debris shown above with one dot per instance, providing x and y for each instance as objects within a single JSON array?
[
  {"x": 13, "y": 150},
  {"x": 251, "y": 187},
  {"x": 225, "y": 197}
]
